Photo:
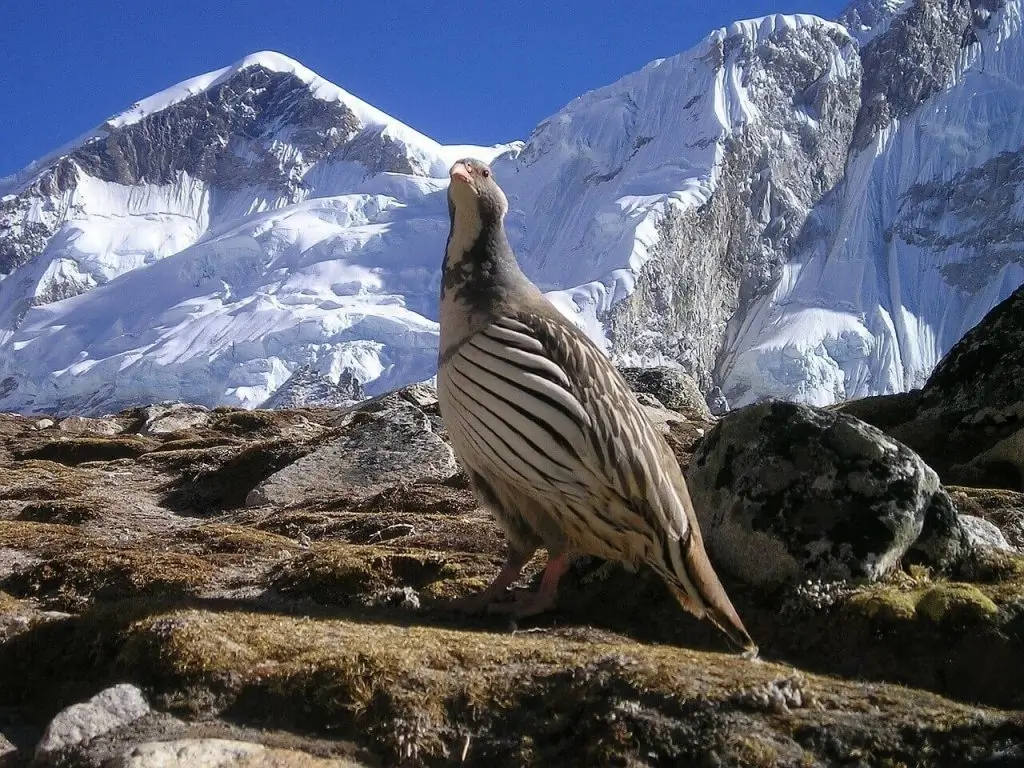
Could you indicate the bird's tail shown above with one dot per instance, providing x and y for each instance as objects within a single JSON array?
[{"x": 695, "y": 585}]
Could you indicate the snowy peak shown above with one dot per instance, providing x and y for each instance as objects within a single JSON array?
[
  {"x": 794, "y": 208},
  {"x": 865, "y": 19}
]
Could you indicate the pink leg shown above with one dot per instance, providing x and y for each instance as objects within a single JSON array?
[
  {"x": 514, "y": 563},
  {"x": 544, "y": 599}
]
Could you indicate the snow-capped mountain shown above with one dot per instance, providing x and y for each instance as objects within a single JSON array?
[
  {"x": 795, "y": 207},
  {"x": 924, "y": 235}
]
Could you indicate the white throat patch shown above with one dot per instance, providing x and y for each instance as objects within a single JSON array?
[{"x": 466, "y": 228}]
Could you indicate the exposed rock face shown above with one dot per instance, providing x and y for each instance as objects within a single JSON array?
[
  {"x": 914, "y": 59},
  {"x": 787, "y": 492},
  {"x": 982, "y": 377},
  {"x": 308, "y": 386},
  {"x": 671, "y": 387},
  {"x": 710, "y": 262}
]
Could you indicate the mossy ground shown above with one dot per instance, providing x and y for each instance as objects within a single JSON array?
[{"x": 306, "y": 618}]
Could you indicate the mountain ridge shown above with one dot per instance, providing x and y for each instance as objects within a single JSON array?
[{"x": 665, "y": 213}]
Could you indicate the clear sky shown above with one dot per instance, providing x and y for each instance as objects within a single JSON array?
[{"x": 460, "y": 72}]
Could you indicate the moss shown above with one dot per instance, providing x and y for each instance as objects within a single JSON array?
[
  {"x": 70, "y": 512},
  {"x": 40, "y": 538},
  {"x": 577, "y": 700},
  {"x": 235, "y": 539},
  {"x": 79, "y": 577},
  {"x": 254, "y": 423},
  {"x": 189, "y": 442},
  {"x": 956, "y": 603},
  {"x": 884, "y": 603},
  {"x": 339, "y": 573},
  {"x": 9, "y": 604},
  {"x": 40, "y": 480},
  {"x": 78, "y": 450}
]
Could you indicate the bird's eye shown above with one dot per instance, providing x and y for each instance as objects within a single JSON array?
[{"x": 486, "y": 172}]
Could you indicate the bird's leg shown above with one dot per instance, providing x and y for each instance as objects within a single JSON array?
[
  {"x": 532, "y": 603},
  {"x": 475, "y": 603}
]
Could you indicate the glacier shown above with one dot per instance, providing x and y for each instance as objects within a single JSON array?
[
  {"x": 789, "y": 209},
  {"x": 924, "y": 235}
]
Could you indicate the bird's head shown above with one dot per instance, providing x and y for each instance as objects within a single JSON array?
[{"x": 474, "y": 194}]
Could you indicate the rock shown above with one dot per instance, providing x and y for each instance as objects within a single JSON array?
[
  {"x": 164, "y": 418},
  {"x": 982, "y": 376},
  {"x": 309, "y": 387},
  {"x": 673, "y": 388},
  {"x": 222, "y": 753},
  {"x": 718, "y": 404},
  {"x": 385, "y": 444},
  {"x": 648, "y": 400},
  {"x": 1005, "y": 460},
  {"x": 80, "y": 723},
  {"x": 786, "y": 492},
  {"x": 44, "y": 424},
  {"x": 6, "y": 748},
  {"x": 983, "y": 534},
  {"x": 661, "y": 417},
  {"x": 81, "y": 425},
  {"x": 967, "y": 421}
]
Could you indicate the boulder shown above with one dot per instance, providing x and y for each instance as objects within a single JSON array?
[
  {"x": 389, "y": 441},
  {"x": 82, "y": 425},
  {"x": 967, "y": 421},
  {"x": 982, "y": 534},
  {"x": 786, "y": 492},
  {"x": 718, "y": 404},
  {"x": 672, "y": 387},
  {"x": 79, "y": 724},
  {"x": 165, "y": 418}
]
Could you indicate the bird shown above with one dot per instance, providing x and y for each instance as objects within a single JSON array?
[{"x": 554, "y": 442}]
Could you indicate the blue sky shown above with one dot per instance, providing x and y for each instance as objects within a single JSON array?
[{"x": 460, "y": 72}]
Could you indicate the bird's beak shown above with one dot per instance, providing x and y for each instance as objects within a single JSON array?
[{"x": 461, "y": 172}]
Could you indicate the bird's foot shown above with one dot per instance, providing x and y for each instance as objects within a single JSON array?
[
  {"x": 525, "y": 603},
  {"x": 476, "y": 603}
]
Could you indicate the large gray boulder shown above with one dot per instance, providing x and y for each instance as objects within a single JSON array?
[
  {"x": 390, "y": 440},
  {"x": 79, "y": 724},
  {"x": 673, "y": 388},
  {"x": 786, "y": 492}
]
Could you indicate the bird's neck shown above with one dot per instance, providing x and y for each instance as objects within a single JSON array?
[{"x": 478, "y": 277}]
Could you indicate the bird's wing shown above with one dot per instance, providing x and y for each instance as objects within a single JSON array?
[
  {"x": 539, "y": 391},
  {"x": 632, "y": 456}
]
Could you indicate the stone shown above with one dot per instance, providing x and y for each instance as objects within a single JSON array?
[
  {"x": 80, "y": 723},
  {"x": 44, "y": 424},
  {"x": 164, "y": 418},
  {"x": 309, "y": 387},
  {"x": 718, "y": 404},
  {"x": 981, "y": 534},
  {"x": 383, "y": 445},
  {"x": 82, "y": 425},
  {"x": 6, "y": 748},
  {"x": 982, "y": 376},
  {"x": 673, "y": 388},
  {"x": 786, "y": 492},
  {"x": 221, "y": 753}
]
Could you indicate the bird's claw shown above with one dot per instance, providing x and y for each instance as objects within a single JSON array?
[{"x": 524, "y": 604}]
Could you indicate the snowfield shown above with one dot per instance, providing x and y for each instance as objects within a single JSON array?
[{"x": 315, "y": 241}]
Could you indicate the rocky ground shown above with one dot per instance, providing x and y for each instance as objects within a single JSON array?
[{"x": 190, "y": 587}]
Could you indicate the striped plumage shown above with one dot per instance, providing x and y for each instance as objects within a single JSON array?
[{"x": 554, "y": 442}]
